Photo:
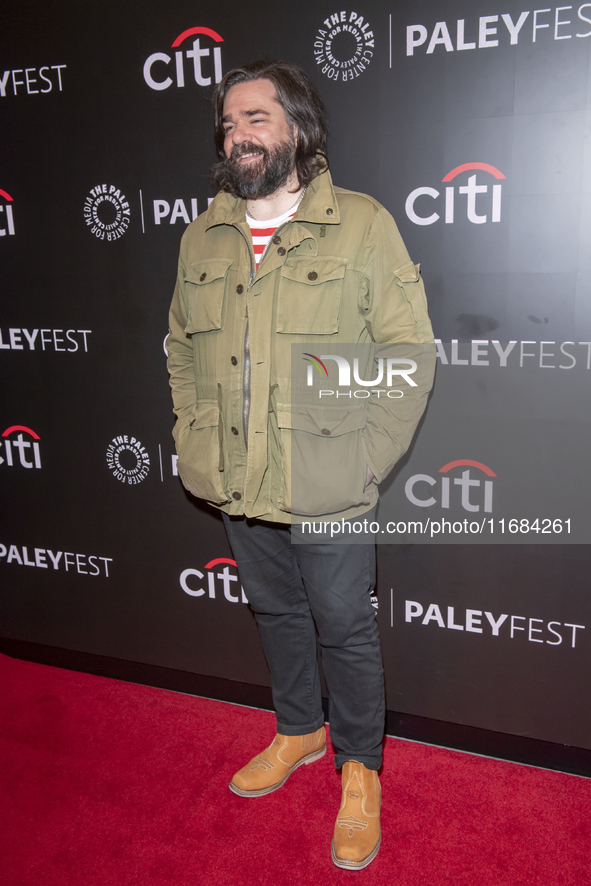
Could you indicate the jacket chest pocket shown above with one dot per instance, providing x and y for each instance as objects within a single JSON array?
[
  {"x": 309, "y": 297},
  {"x": 205, "y": 285}
]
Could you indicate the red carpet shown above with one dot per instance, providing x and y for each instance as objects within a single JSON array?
[{"x": 113, "y": 784}]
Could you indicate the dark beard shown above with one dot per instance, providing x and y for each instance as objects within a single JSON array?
[{"x": 260, "y": 179}]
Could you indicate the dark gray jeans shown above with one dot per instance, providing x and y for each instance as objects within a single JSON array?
[{"x": 294, "y": 590}]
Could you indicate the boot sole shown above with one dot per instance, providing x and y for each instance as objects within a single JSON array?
[
  {"x": 309, "y": 758},
  {"x": 348, "y": 865}
]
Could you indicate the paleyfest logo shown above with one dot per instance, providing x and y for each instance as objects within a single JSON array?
[
  {"x": 389, "y": 371},
  {"x": 128, "y": 460},
  {"x": 490, "y": 31},
  {"x": 478, "y": 621},
  {"x": 35, "y": 81},
  {"x": 14, "y": 338},
  {"x": 6, "y": 210},
  {"x": 344, "y": 46},
  {"x": 422, "y": 211},
  {"x": 158, "y": 65},
  {"x": 106, "y": 212}
]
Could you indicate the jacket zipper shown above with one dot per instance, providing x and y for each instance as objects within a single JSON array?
[{"x": 246, "y": 372}]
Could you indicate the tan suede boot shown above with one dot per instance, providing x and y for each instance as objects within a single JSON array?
[
  {"x": 357, "y": 834},
  {"x": 270, "y": 770}
]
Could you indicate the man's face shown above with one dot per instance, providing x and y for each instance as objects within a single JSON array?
[{"x": 259, "y": 143}]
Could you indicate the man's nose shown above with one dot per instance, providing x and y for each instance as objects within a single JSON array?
[{"x": 240, "y": 133}]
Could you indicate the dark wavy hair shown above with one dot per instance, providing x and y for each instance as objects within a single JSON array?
[{"x": 302, "y": 105}]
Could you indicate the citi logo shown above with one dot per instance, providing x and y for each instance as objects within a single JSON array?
[
  {"x": 472, "y": 492},
  {"x": 29, "y": 453},
  {"x": 191, "y": 581},
  {"x": 389, "y": 370},
  {"x": 480, "y": 204},
  {"x": 158, "y": 63},
  {"x": 6, "y": 211}
]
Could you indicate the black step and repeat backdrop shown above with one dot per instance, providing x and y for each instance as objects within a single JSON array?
[{"x": 471, "y": 122}]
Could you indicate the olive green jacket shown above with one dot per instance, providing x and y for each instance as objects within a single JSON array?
[{"x": 337, "y": 273}]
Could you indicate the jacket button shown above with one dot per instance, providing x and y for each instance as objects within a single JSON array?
[
  {"x": 235, "y": 431},
  {"x": 240, "y": 289},
  {"x": 236, "y": 496},
  {"x": 312, "y": 275},
  {"x": 281, "y": 251},
  {"x": 325, "y": 431},
  {"x": 203, "y": 276},
  {"x": 276, "y": 240},
  {"x": 233, "y": 361},
  {"x": 329, "y": 211}
]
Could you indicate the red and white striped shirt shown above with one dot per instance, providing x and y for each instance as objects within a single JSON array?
[{"x": 262, "y": 231}]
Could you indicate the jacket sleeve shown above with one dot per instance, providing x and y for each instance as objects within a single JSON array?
[
  {"x": 180, "y": 357},
  {"x": 393, "y": 300}
]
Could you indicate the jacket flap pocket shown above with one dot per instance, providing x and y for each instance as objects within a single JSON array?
[
  {"x": 205, "y": 285},
  {"x": 408, "y": 273},
  {"x": 315, "y": 271},
  {"x": 322, "y": 421},
  {"x": 310, "y": 296},
  {"x": 201, "y": 273},
  {"x": 207, "y": 416}
]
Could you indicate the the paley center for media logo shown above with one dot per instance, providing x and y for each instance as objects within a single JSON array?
[
  {"x": 128, "y": 460},
  {"x": 344, "y": 45},
  {"x": 107, "y": 212}
]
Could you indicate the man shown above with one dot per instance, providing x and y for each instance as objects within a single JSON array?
[{"x": 281, "y": 257}]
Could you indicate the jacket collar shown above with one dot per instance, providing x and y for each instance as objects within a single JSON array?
[{"x": 319, "y": 206}]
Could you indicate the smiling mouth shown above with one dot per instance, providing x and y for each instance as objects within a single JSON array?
[{"x": 249, "y": 158}]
